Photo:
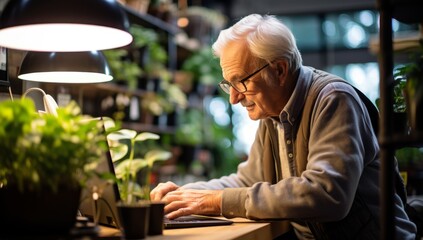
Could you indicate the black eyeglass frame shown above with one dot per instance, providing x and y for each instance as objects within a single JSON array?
[{"x": 226, "y": 85}]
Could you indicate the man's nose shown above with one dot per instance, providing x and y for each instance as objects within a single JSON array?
[{"x": 234, "y": 96}]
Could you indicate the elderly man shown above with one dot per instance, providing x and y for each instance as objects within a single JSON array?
[{"x": 314, "y": 160}]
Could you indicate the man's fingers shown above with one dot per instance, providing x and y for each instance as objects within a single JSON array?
[
  {"x": 192, "y": 202},
  {"x": 174, "y": 205},
  {"x": 162, "y": 189},
  {"x": 156, "y": 194},
  {"x": 179, "y": 213}
]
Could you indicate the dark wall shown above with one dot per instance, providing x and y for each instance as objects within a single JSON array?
[{"x": 241, "y": 8}]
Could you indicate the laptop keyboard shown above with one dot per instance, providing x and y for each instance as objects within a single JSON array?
[{"x": 194, "y": 221}]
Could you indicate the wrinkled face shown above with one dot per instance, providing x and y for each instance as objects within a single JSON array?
[{"x": 261, "y": 100}]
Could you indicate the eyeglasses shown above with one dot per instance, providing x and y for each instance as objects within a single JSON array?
[{"x": 239, "y": 86}]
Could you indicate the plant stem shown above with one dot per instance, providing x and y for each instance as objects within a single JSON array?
[
  {"x": 130, "y": 176},
  {"x": 147, "y": 184}
]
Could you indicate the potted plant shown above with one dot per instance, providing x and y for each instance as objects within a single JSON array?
[
  {"x": 45, "y": 161},
  {"x": 166, "y": 100},
  {"x": 122, "y": 143},
  {"x": 399, "y": 117},
  {"x": 124, "y": 69},
  {"x": 204, "y": 75},
  {"x": 143, "y": 66},
  {"x": 163, "y": 95},
  {"x": 141, "y": 60},
  {"x": 189, "y": 135},
  {"x": 410, "y": 79},
  {"x": 129, "y": 168},
  {"x": 408, "y": 94},
  {"x": 412, "y": 72}
]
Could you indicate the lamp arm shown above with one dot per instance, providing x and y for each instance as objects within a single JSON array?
[
  {"x": 10, "y": 93},
  {"x": 33, "y": 89},
  {"x": 50, "y": 105}
]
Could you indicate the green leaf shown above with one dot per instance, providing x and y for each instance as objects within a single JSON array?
[
  {"x": 109, "y": 123},
  {"x": 177, "y": 95},
  {"x": 122, "y": 134},
  {"x": 119, "y": 151},
  {"x": 156, "y": 155},
  {"x": 145, "y": 136},
  {"x": 129, "y": 166}
]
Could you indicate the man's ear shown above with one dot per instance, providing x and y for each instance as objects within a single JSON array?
[{"x": 282, "y": 70}]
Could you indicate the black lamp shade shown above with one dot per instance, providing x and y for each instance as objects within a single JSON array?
[
  {"x": 62, "y": 17},
  {"x": 65, "y": 67}
]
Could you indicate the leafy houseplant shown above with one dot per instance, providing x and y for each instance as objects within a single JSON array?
[
  {"x": 122, "y": 143},
  {"x": 399, "y": 117},
  {"x": 138, "y": 214},
  {"x": 408, "y": 97},
  {"x": 190, "y": 129},
  {"x": 189, "y": 135},
  {"x": 399, "y": 98},
  {"x": 205, "y": 68},
  {"x": 413, "y": 90},
  {"x": 154, "y": 58},
  {"x": 145, "y": 52},
  {"x": 145, "y": 63},
  {"x": 42, "y": 157},
  {"x": 123, "y": 68},
  {"x": 399, "y": 107}
]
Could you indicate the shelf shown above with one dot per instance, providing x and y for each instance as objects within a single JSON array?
[
  {"x": 100, "y": 89},
  {"x": 113, "y": 88},
  {"x": 401, "y": 43},
  {"x": 149, "y": 21},
  {"x": 401, "y": 141},
  {"x": 140, "y": 127}
]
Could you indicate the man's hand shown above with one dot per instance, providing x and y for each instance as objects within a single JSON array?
[
  {"x": 189, "y": 201},
  {"x": 161, "y": 190}
]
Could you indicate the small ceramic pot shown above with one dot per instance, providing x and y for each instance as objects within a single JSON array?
[
  {"x": 134, "y": 219},
  {"x": 156, "y": 224}
]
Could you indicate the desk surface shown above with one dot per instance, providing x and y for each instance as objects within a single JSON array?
[{"x": 240, "y": 229}]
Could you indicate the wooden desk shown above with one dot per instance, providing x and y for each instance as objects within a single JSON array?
[{"x": 241, "y": 229}]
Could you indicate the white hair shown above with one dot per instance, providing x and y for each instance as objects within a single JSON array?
[{"x": 267, "y": 38}]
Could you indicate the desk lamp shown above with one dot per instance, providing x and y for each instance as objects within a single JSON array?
[
  {"x": 50, "y": 106},
  {"x": 64, "y": 25},
  {"x": 65, "y": 67}
]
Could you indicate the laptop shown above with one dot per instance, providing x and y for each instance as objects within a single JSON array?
[
  {"x": 104, "y": 210},
  {"x": 194, "y": 221}
]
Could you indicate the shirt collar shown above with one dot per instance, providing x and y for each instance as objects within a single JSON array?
[{"x": 292, "y": 110}]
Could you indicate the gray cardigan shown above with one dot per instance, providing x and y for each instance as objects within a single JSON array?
[{"x": 333, "y": 156}]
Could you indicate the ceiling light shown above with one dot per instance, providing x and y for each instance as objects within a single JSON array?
[{"x": 64, "y": 25}]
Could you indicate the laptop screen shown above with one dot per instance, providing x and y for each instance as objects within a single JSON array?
[{"x": 99, "y": 197}]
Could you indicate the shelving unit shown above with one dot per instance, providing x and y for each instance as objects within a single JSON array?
[
  {"x": 408, "y": 12},
  {"x": 148, "y": 21},
  {"x": 90, "y": 96},
  {"x": 84, "y": 93}
]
